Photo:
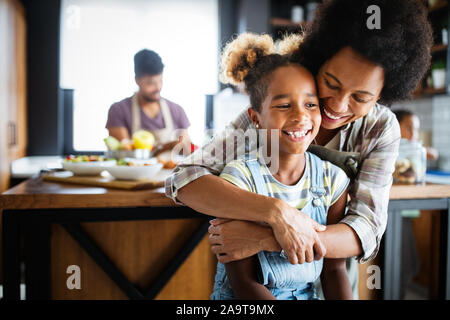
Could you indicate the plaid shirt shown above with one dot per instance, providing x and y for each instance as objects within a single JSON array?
[{"x": 376, "y": 137}]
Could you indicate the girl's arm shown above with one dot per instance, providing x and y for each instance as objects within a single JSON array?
[
  {"x": 335, "y": 283},
  {"x": 243, "y": 280}
]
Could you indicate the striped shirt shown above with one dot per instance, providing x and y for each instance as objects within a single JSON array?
[
  {"x": 297, "y": 196},
  {"x": 375, "y": 136}
]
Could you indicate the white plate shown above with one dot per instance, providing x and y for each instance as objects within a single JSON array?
[
  {"x": 91, "y": 168},
  {"x": 135, "y": 172}
]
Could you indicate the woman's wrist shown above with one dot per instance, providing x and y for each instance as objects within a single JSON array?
[
  {"x": 268, "y": 242},
  {"x": 274, "y": 213}
]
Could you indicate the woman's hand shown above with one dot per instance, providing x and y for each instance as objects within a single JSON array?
[
  {"x": 233, "y": 240},
  {"x": 236, "y": 239},
  {"x": 297, "y": 234}
]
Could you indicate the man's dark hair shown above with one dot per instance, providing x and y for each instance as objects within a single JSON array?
[
  {"x": 147, "y": 63},
  {"x": 401, "y": 46},
  {"x": 401, "y": 114}
]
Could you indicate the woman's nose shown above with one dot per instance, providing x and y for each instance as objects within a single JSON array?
[{"x": 339, "y": 104}]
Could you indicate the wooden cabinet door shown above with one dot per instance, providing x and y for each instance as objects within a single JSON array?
[
  {"x": 12, "y": 86},
  {"x": 12, "y": 90}
]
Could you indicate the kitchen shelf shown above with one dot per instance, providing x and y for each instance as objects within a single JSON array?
[
  {"x": 439, "y": 48},
  {"x": 281, "y": 22},
  {"x": 438, "y": 6},
  {"x": 432, "y": 91}
]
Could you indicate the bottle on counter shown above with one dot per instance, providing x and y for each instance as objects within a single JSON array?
[{"x": 411, "y": 164}]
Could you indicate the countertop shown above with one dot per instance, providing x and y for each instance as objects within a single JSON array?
[{"x": 35, "y": 193}]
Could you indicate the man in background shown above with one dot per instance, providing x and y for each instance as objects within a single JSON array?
[{"x": 147, "y": 110}]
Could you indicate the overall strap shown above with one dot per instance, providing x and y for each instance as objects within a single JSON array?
[
  {"x": 255, "y": 171},
  {"x": 317, "y": 183},
  {"x": 135, "y": 115}
]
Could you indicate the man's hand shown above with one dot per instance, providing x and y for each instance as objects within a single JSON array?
[{"x": 297, "y": 235}]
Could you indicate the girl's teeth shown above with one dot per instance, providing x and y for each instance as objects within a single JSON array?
[{"x": 298, "y": 134}]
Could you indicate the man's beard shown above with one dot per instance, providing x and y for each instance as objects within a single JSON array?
[{"x": 150, "y": 98}]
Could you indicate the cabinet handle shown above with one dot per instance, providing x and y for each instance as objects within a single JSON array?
[{"x": 12, "y": 134}]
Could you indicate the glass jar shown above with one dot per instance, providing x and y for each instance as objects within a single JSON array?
[{"x": 411, "y": 164}]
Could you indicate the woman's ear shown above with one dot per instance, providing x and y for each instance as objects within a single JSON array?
[{"x": 254, "y": 115}]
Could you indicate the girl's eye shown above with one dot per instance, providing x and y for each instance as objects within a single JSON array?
[
  {"x": 311, "y": 105},
  {"x": 329, "y": 85}
]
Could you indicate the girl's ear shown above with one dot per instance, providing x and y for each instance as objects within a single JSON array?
[{"x": 254, "y": 115}]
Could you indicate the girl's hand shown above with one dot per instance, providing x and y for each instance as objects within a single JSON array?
[{"x": 233, "y": 240}]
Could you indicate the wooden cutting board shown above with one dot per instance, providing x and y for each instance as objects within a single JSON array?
[{"x": 105, "y": 180}]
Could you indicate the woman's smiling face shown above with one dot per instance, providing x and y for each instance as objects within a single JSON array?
[
  {"x": 349, "y": 86},
  {"x": 292, "y": 107}
]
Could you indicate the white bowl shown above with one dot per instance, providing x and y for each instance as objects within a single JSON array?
[
  {"x": 91, "y": 168},
  {"x": 135, "y": 172}
]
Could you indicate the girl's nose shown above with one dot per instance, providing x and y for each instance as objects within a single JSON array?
[{"x": 299, "y": 113}]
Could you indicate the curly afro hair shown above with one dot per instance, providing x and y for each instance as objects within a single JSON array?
[
  {"x": 401, "y": 46},
  {"x": 249, "y": 60}
]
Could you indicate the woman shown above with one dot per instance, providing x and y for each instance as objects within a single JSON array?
[{"x": 355, "y": 67}]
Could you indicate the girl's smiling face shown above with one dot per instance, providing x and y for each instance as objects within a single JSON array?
[{"x": 291, "y": 107}]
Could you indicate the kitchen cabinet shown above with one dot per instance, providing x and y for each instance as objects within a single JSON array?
[
  {"x": 12, "y": 86},
  {"x": 12, "y": 89}
]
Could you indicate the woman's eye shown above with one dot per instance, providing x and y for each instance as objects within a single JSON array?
[
  {"x": 358, "y": 99},
  {"x": 329, "y": 85}
]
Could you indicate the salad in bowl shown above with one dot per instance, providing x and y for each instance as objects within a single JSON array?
[
  {"x": 87, "y": 165},
  {"x": 135, "y": 169}
]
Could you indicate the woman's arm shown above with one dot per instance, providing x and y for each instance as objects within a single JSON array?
[
  {"x": 195, "y": 184},
  {"x": 243, "y": 280},
  {"x": 234, "y": 239},
  {"x": 294, "y": 231}
]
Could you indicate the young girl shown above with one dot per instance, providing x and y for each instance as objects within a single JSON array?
[{"x": 283, "y": 99}]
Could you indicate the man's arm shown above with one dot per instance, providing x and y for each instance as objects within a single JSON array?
[
  {"x": 119, "y": 133},
  {"x": 243, "y": 280}
]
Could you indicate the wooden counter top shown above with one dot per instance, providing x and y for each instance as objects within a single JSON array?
[
  {"x": 425, "y": 191},
  {"x": 36, "y": 193}
]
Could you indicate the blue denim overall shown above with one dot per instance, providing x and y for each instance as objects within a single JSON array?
[{"x": 284, "y": 280}]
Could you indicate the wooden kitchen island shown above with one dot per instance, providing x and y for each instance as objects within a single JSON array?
[
  {"x": 427, "y": 197},
  {"x": 140, "y": 245},
  {"x": 127, "y": 244}
]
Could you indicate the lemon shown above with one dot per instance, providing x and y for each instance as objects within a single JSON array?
[{"x": 143, "y": 139}]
